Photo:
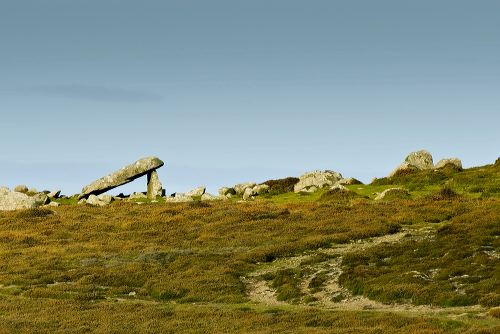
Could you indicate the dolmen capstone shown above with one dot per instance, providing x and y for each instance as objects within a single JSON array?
[{"x": 145, "y": 166}]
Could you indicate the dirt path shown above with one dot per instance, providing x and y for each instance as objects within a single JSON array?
[{"x": 331, "y": 295}]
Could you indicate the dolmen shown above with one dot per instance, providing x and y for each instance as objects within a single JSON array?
[{"x": 145, "y": 166}]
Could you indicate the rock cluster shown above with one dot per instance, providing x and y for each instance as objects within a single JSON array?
[
  {"x": 312, "y": 181},
  {"x": 22, "y": 198},
  {"x": 247, "y": 191},
  {"x": 422, "y": 160}
]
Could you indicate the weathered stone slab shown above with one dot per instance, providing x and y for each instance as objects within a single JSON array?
[{"x": 123, "y": 176}]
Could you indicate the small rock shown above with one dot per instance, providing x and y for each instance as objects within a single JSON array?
[
  {"x": 392, "y": 193},
  {"x": 82, "y": 201},
  {"x": 210, "y": 197},
  {"x": 224, "y": 191},
  {"x": 241, "y": 187},
  {"x": 404, "y": 168},
  {"x": 54, "y": 194},
  {"x": 349, "y": 181},
  {"x": 449, "y": 162},
  {"x": 261, "y": 189},
  {"x": 137, "y": 195},
  {"x": 339, "y": 187},
  {"x": 179, "y": 198},
  {"x": 196, "y": 192},
  {"x": 52, "y": 204}
]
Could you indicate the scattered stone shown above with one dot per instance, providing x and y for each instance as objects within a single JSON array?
[
  {"x": 392, "y": 193},
  {"x": 224, "y": 191},
  {"x": 41, "y": 199},
  {"x": 210, "y": 197},
  {"x": 249, "y": 193},
  {"x": 315, "y": 180},
  {"x": 449, "y": 162},
  {"x": 101, "y": 200},
  {"x": 404, "y": 168},
  {"x": 241, "y": 187},
  {"x": 421, "y": 159},
  {"x": 82, "y": 201},
  {"x": 339, "y": 187},
  {"x": 154, "y": 185},
  {"x": 52, "y": 204},
  {"x": 349, "y": 181},
  {"x": 261, "y": 189},
  {"x": 137, "y": 195},
  {"x": 179, "y": 198},
  {"x": 21, "y": 189},
  {"x": 54, "y": 194},
  {"x": 196, "y": 192},
  {"x": 13, "y": 200},
  {"x": 125, "y": 175}
]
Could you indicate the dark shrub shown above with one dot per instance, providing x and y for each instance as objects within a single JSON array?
[
  {"x": 445, "y": 193},
  {"x": 281, "y": 186}
]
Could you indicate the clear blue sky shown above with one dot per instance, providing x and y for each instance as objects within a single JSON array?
[{"x": 231, "y": 91}]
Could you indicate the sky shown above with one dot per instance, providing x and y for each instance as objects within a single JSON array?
[{"x": 228, "y": 91}]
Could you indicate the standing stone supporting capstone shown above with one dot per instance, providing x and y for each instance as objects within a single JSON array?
[
  {"x": 123, "y": 176},
  {"x": 154, "y": 185}
]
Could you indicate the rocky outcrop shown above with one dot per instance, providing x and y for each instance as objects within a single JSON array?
[
  {"x": 249, "y": 193},
  {"x": 419, "y": 160},
  {"x": 13, "y": 200},
  {"x": 449, "y": 162},
  {"x": 227, "y": 192},
  {"x": 312, "y": 181},
  {"x": 241, "y": 187},
  {"x": 101, "y": 200},
  {"x": 392, "y": 193},
  {"x": 123, "y": 176},
  {"x": 261, "y": 189}
]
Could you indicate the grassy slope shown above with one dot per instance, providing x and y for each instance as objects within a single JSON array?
[{"x": 73, "y": 268}]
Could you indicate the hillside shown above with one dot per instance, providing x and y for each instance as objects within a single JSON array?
[{"x": 426, "y": 262}]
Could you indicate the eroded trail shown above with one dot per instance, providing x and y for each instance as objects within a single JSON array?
[{"x": 329, "y": 293}]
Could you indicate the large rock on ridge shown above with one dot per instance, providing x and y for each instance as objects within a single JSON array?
[{"x": 13, "y": 200}]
